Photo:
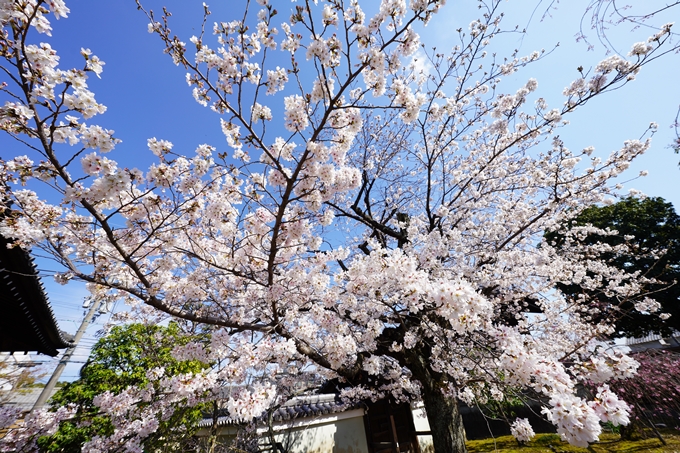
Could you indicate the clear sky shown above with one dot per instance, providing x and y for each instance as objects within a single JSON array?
[{"x": 147, "y": 96}]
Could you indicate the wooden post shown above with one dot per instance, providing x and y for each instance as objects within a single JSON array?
[{"x": 395, "y": 437}]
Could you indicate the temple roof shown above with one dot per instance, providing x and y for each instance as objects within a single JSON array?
[
  {"x": 297, "y": 407},
  {"x": 27, "y": 322}
]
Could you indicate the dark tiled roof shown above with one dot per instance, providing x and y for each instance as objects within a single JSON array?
[
  {"x": 296, "y": 408},
  {"x": 27, "y": 322}
]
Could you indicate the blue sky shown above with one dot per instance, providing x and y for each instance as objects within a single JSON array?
[{"x": 147, "y": 96}]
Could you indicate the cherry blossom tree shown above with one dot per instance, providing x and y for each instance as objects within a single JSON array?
[
  {"x": 603, "y": 17},
  {"x": 377, "y": 219}
]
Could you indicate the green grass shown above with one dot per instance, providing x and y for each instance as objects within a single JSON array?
[{"x": 551, "y": 443}]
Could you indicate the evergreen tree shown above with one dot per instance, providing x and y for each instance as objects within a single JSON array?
[{"x": 647, "y": 241}]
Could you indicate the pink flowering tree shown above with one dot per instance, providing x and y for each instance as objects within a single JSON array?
[
  {"x": 372, "y": 221},
  {"x": 654, "y": 392}
]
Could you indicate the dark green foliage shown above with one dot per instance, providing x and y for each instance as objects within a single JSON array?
[
  {"x": 117, "y": 361},
  {"x": 655, "y": 227}
]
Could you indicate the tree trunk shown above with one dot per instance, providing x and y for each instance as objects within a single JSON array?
[
  {"x": 446, "y": 423},
  {"x": 212, "y": 439},
  {"x": 443, "y": 416}
]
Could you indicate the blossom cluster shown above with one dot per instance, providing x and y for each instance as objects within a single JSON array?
[
  {"x": 522, "y": 430},
  {"x": 37, "y": 423},
  {"x": 251, "y": 403},
  {"x": 136, "y": 412}
]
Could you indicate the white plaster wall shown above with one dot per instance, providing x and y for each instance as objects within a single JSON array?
[
  {"x": 343, "y": 435},
  {"x": 335, "y": 433},
  {"x": 421, "y": 424}
]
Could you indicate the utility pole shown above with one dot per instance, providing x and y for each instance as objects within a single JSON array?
[{"x": 45, "y": 394}]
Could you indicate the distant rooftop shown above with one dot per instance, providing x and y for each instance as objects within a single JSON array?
[
  {"x": 654, "y": 341},
  {"x": 23, "y": 399}
]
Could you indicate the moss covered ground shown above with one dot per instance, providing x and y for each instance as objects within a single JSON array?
[{"x": 551, "y": 443}]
